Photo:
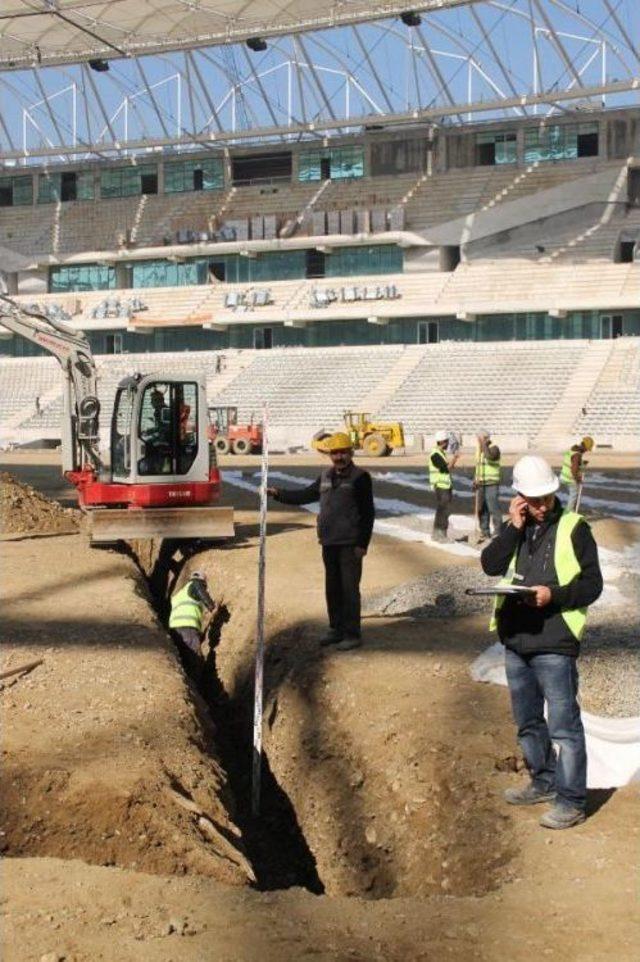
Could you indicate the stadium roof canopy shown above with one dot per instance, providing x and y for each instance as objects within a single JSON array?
[
  {"x": 81, "y": 79},
  {"x": 68, "y": 31}
]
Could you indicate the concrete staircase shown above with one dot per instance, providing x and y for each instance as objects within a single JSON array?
[
  {"x": 381, "y": 392},
  {"x": 557, "y": 432},
  {"x": 235, "y": 363}
]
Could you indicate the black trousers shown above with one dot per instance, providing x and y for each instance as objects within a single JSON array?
[
  {"x": 343, "y": 571},
  {"x": 443, "y": 509}
]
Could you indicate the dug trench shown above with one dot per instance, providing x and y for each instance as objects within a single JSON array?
[{"x": 366, "y": 789}]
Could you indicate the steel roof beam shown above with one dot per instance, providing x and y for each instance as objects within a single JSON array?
[{"x": 318, "y": 127}]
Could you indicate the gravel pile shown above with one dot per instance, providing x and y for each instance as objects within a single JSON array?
[
  {"x": 23, "y": 510},
  {"x": 440, "y": 594},
  {"x": 609, "y": 663}
]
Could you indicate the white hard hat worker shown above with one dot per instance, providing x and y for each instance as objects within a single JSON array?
[
  {"x": 441, "y": 436},
  {"x": 533, "y": 477}
]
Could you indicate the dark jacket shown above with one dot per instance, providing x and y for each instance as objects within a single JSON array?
[
  {"x": 198, "y": 591},
  {"x": 439, "y": 461},
  {"x": 346, "y": 512},
  {"x": 528, "y": 630}
]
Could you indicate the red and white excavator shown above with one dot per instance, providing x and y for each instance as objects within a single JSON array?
[{"x": 161, "y": 480}]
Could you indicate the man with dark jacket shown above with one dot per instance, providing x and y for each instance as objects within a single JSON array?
[
  {"x": 554, "y": 553},
  {"x": 345, "y": 524}
]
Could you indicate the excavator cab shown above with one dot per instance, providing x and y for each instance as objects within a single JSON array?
[{"x": 161, "y": 461}]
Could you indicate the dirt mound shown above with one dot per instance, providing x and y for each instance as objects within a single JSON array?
[
  {"x": 23, "y": 509},
  {"x": 615, "y": 535}
]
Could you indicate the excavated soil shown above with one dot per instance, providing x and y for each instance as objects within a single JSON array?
[
  {"x": 23, "y": 509},
  {"x": 128, "y": 790}
]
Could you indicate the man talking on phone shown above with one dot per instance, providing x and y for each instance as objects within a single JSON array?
[{"x": 552, "y": 552}]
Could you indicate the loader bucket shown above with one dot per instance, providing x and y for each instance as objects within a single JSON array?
[{"x": 179, "y": 524}]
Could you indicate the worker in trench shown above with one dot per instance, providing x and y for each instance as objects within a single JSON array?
[
  {"x": 552, "y": 552},
  {"x": 186, "y": 622},
  {"x": 345, "y": 525}
]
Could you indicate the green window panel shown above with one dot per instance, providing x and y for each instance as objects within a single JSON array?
[
  {"x": 84, "y": 185},
  {"x": 124, "y": 181},
  {"x": 49, "y": 188},
  {"x": 344, "y": 162},
  {"x": 378, "y": 259},
  {"x": 496, "y": 147},
  {"x": 166, "y": 274},
  {"x": 82, "y": 277},
  {"x": 16, "y": 191},
  {"x": 180, "y": 176},
  {"x": 560, "y": 142}
]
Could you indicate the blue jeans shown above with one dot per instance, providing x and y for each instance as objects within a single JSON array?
[
  {"x": 572, "y": 496},
  {"x": 534, "y": 679},
  {"x": 489, "y": 508}
]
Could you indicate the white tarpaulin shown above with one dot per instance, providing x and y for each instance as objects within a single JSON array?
[{"x": 613, "y": 744}]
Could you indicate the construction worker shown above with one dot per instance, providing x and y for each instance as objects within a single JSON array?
[
  {"x": 186, "y": 621},
  {"x": 486, "y": 485},
  {"x": 571, "y": 474},
  {"x": 553, "y": 552},
  {"x": 345, "y": 524},
  {"x": 440, "y": 467}
]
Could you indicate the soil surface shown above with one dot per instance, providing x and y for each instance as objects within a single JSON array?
[
  {"x": 23, "y": 509},
  {"x": 128, "y": 834}
]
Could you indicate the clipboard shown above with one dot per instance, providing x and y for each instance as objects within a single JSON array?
[{"x": 510, "y": 590}]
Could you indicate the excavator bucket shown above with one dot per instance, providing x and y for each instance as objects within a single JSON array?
[{"x": 179, "y": 524}]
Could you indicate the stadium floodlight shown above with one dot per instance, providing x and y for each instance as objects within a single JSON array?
[
  {"x": 257, "y": 44},
  {"x": 100, "y": 66},
  {"x": 410, "y": 18}
]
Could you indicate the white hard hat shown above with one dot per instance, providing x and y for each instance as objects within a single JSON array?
[
  {"x": 534, "y": 477},
  {"x": 441, "y": 436}
]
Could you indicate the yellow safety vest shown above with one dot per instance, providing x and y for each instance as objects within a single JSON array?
[
  {"x": 566, "y": 475},
  {"x": 438, "y": 478},
  {"x": 487, "y": 471},
  {"x": 567, "y": 567},
  {"x": 185, "y": 611}
]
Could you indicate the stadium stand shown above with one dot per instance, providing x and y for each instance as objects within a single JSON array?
[{"x": 613, "y": 406}]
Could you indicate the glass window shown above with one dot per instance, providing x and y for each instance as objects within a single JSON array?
[
  {"x": 84, "y": 185},
  {"x": 168, "y": 428},
  {"x": 49, "y": 188},
  {"x": 121, "y": 432},
  {"x": 82, "y": 277},
  {"x": 16, "y": 191},
  {"x": 129, "y": 181},
  {"x": 378, "y": 259},
  {"x": 495, "y": 148},
  {"x": 341, "y": 163},
  {"x": 207, "y": 174},
  {"x": 560, "y": 142}
]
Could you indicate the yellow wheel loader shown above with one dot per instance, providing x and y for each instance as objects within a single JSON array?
[{"x": 377, "y": 439}]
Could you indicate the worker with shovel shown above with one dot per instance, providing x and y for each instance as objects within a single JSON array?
[
  {"x": 572, "y": 473},
  {"x": 186, "y": 621},
  {"x": 345, "y": 525},
  {"x": 551, "y": 574}
]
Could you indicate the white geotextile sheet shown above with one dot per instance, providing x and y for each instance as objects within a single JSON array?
[{"x": 613, "y": 744}]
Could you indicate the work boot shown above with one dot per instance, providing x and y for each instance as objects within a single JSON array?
[
  {"x": 349, "y": 643},
  {"x": 562, "y": 816},
  {"x": 332, "y": 637},
  {"x": 529, "y": 795}
]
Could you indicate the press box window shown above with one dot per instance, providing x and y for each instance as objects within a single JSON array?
[
  {"x": 16, "y": 191},
  {"x": 560, "y": 142},
  {"x": 495, "y": 149},
  {"x": 338, "y": 163},
  {"x": 129, "y": 181},
  {"x": 186, "y": 175},
  {"x": 65, "y": 186}
]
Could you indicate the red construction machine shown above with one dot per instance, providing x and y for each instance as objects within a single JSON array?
[
  {"x": 161, "y": 479},
  {"x": 230, "y": 437}
]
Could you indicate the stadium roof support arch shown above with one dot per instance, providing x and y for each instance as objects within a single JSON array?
[{"x": 177, "y": 74}]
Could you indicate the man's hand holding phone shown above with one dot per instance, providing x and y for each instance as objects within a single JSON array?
[{"x": 518, "y": 512}]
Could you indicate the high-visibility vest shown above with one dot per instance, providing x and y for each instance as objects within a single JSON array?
[
  {"x": 186, "y": 612},
  {"x": 567, "y": 567},
  {"x": 487, "y": 471},
  {"x": 566, "y": 475},
  {"x": 438, "y": 478}
]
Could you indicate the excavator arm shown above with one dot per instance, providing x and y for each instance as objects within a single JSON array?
[{"x": 81, "y": 408}]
